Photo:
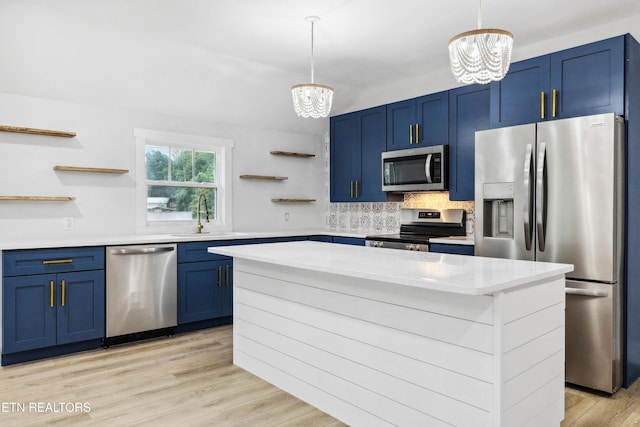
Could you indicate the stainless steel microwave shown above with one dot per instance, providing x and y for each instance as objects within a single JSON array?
[{"x": 415, "y": 169}]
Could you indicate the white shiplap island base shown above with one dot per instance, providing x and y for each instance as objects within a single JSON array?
[{"x": 387, "y": 337}]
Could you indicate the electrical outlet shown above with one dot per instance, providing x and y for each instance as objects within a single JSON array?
[
  {"x": 69, "y": 223},
  {"x": 286, "y": 216}
]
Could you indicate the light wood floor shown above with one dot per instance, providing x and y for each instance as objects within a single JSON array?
[{"x": 189, "y": 380}]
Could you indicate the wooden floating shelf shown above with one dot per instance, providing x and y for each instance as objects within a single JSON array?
[
  {"x": 39, "y": 198},
  {"x": 291, "y": 153},
  {"x": 83, "y": 169},
  {"x": 293, "y": 200},
  {"x": 267, "y": 177},
  {"x": 33, "y": 131}
]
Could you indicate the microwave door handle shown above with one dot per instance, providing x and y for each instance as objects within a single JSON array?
[
  {"x": 528, "y": 197},
  {"x": 427, "y": 168},
  {"x": 541, "y": 202}
]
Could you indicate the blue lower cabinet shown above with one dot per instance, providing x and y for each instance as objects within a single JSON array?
[
  {"x": 52, "y": 309},
  {"x": 451, "y": 249},
  {"x": 348, "y": 240},
  {"x": 205, "y": 290}
]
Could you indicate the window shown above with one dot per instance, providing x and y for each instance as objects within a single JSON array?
[{"x": 178, "y": 172}]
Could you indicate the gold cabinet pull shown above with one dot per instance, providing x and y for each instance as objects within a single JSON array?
[
  {"x": 219, "y": 276},
  {"x": 410, "y": 134},
  {"x": 542, "y": 105},
  {"x": 417, "y": 134},
  {"x": 57, "y": 261},
  {"x": 63, "y": 293},
  {"x": 553, "y": 103},
  {"x": 351, "y": 189},
  {"x": 227, "y": 277},
  {"x": 357, "y": 195},
  {"x": 51, "y": 293}
]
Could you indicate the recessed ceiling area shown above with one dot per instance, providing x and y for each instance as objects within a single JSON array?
[{"x": 231, "y": 61}]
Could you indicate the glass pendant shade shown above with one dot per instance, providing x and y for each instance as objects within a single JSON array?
[
  {"x": 482, "y": 55},
  {"x": 312, "y": 99}
]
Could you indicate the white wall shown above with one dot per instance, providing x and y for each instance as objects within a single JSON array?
[
  {"x": 438, "y": 80},
  {"x": 104, "y": 203}
]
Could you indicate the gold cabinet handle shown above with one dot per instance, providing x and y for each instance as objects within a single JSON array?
[
  {"x": 417, "y": 134},
  {"x": 357, "y": 195},
  {"x": 220, "y": 276},
  {"x": 63, "y": 293},
  {"x": 553, "y": 103},
  {"x": 410, "y": 134},
  {"x": 542, "y": 105},
  {"x": 351, "y": 189},
  {"x": 227, "y": 277},
  {"x": 57, "y": 261},
  {"x": 51, "y": 294}
]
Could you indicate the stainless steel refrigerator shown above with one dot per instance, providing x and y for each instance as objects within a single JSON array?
[{"x": 554, "y": 191}]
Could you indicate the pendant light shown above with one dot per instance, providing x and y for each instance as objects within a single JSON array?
[
  {"x": 312, "y": 99},
  {"x": 482, "y": 55}
]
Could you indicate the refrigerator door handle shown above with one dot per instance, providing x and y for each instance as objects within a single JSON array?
[
  {"x": 427, "y": 168},
  {"x": 528, "y": 201},
  {"x": 586, "y": 292},
  {"x": 541, "y": 196}
]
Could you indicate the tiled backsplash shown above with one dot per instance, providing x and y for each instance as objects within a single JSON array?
[{"x": 380, "y": 218}]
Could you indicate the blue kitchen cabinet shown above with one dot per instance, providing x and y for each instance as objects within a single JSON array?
[
  {"x": 581, "y": 81},
  {"x": 421, "y": 121},
  {"x": 588, "y": 79},
  {"x": 205, "y": 290},
  {"x": 451, "y": 249},
  {"x": 468, "y": 113},
  {"x": 349, "y": 240},
  {"x": 205, "y": 281},
  {"x": 518, "y": 98},
  {"x": 357, "y": 142},
  {"x": 51, "y": 309}
]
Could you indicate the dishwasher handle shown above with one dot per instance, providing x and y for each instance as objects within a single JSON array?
[{"x": 142, "y": 251}]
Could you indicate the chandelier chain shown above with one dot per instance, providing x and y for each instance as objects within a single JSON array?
[
  {"x": 479, "y": 14},
  {"x": 312, "y": 22}
]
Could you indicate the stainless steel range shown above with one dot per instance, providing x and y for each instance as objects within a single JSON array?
[{"x": 417, "y": 226}]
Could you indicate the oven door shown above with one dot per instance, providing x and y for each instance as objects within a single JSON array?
[{"x": 419, "y": 169}]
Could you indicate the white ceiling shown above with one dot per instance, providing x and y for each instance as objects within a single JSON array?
[{"x": 359, "y": 44}]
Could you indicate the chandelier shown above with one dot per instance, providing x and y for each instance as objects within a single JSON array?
[
  {"x": 312, "y": 99},
  {"x": 482, "y": 55}
]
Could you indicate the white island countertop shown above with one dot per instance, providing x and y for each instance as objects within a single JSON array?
[{"x": 433, "y": 271}]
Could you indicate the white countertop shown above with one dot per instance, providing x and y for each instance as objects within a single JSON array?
[
  {"x": 140, "y": 239},
  {"x": 442, "y": 272}
]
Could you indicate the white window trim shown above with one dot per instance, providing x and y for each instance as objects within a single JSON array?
[{"x": 224, "y": 152}]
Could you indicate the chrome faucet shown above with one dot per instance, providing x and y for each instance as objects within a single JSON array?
[{"x": 199, "y": 225}]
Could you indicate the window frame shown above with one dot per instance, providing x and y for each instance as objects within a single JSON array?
[{"x": 223, "y": 149}]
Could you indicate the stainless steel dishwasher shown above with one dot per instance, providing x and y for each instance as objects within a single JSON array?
[{"x": 141, "y": 292}]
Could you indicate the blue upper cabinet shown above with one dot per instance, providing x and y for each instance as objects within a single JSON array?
[
  {"x": 357, "y": 141},
  {"x": 418, "y": 121},
  {"x": 344, "y": 151},
  {"x": 468, "y": 113},
  {"x": 588, "y": 79},
  {"x": 519, "y": 97},
  {"x": 581, "y": 81}
]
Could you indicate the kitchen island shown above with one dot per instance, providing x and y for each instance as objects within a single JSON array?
[{"x": 386, "y": 337}]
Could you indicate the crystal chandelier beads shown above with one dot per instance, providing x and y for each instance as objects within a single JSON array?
[
  {"x": 482, "y": 55},
  {"x": 312, "y": 99}
]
